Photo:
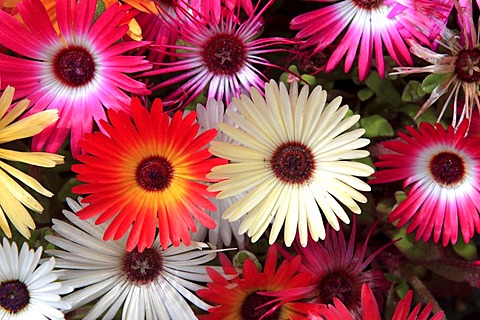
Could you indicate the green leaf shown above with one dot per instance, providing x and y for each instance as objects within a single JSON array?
[
  {"x": 434, "y": 80},
  {"x": 411, "y": 110},
  {"x": 468, "y": 251},
  {"x": 384, "y": 89},
  {"x": 376, "y": 126},
  {"x": 99, "y": 9},
  {"x": 365, "y": 94},
  {"x": 413, "y": 91},
  {"x": 241, "y": 256}
]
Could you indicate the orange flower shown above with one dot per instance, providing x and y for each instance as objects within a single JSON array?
[{"x": 147, "y": 173}]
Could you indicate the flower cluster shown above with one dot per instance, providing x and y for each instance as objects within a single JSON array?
[{"x": 211, "y": 159}]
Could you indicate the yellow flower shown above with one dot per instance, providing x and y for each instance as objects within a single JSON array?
[{"x": 13, "y": 198}]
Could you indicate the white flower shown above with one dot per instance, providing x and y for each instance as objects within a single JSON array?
[
  {"x": 293, "y": 158},
  {"x": 152, "y": 284},
  {"x": 208, "y": 117},
  {"x": 28, "y": 292}
]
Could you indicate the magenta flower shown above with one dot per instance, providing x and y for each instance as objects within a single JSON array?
[
  {"x": 338, "y": 272},
  {"x": 371, "y": 26},
  {"x": 79, "y": 71},
  {"x": 442, "y": 170},
  {"x": 370, "y": 309},
  {"x": 218, "y": 56}
]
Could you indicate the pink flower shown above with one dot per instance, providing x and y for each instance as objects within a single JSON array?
[
  {"x": 370, "y": 310},
  {"x": 371, "y": 25},
  {"x": 79, "y": 71},
  {"x": 441, "y": 169},
  {"x": 218, "y": 56},
  {"x": 338, "y": 272}
]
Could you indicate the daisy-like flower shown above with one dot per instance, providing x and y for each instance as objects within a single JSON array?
[
  {"x": 370, "y": 310},
  {"x": 78, "y": 71},
  {"x": 441, "y": 169},
  {"x": 147, "y": 173},
  {"x": 242, "y": 297},
  {"x": 153, "y": 284},
  {"x": 337, "y": 270},
  {"x": 371, "y": 25},
  {"x": 294, "y": 154},
  {"x": 14, "y": 199},
  {"x": 458, "y": 71},
  {"x": 29, "y": 291},
  {"x": 208, "y": 117},
  {"x": 218, "y": 56}
]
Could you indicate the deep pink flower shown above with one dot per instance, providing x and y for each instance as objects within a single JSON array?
[
  {"x": 338, "y": 271},
  {"x": 218, "y": 56},
  {"x": 441, "y": 169},
  {"x": 79, "y": 71},
  {"x": 370, "y": 310},
  {"x": 371, "y": 26}
]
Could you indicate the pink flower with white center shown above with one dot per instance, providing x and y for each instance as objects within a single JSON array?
[
  {"x": 371, "y": 26},
  {"x": 218, "y": 56},
  {"x": 441, "y": 169},
  {"x": 79, "y": 71}
]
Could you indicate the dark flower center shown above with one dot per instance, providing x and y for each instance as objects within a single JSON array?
[
  {"x": 338, "y": 285},
  {"x": 368, "y": 4},
  {"x": 14, "y": 296},
  {"x": 466, "y": 66},
  {"x": 142, "y": 267},
  {"x": 74, "y": 66},
  {"x": 224, "y": 54},
  {"x": 447, "y": 168},
  {"x": 293, "y": 163},
  {"x": 154, "y": 174},
  {"x": 251, "y": 309}
]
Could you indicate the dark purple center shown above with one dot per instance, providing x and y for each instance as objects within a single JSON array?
[
  {"x": 154, "y": 174},
  {"x": 74, "y": 66},
  {"x": 14, "y": 296},
  {"x": 224, "y": 54},
  {"x": 447, "y": 168},
  {"x": 252, "y": 310},
  {"x": 293, "y": 163},
  {"x": 142, "y": 267},
  {"x": 338, "y": 285},
  {"x": 467, "y": 65},
  {"x": 368, "y": 4}
]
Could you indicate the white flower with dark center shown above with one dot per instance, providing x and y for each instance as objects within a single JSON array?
[
  {"x": 293, "y": 162},
  {"x": 28, "y": 292},
  {"x": 152, "y": 284}
]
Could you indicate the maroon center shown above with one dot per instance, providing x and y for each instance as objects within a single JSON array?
[
  {"x": 224, "y": 54},
  {"x": 338, "y": 285},
  {"x": 142, "y": 267},
  {"x": 447, "y": 168},
  {"x": 467, "y": 65},
  {"x": 14, "y": 296},
  {"x": 252, "y": 310},
  {"x": 293, "y": 162},
  {"x": 368, "y": 4},
  {"x": 154, "y": 174},
  {"x": 74, "y": 66}
]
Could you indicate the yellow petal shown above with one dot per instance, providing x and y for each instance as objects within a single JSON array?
[
  {"x": 16, "y": 212},
  {"x": 41, "y": 159},
  {"x": 29, "y": 181},
  {"x": 4, "y": 224},
  {"x": 28, "y": 126}
]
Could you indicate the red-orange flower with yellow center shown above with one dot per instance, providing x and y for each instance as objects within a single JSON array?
[{"x": 146, "y": 173}]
